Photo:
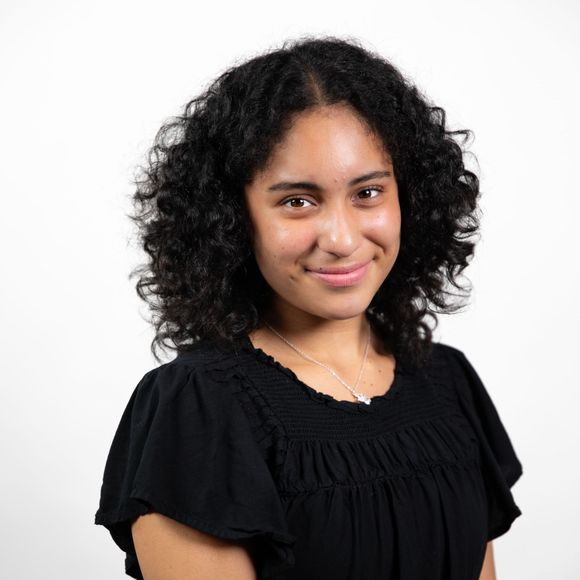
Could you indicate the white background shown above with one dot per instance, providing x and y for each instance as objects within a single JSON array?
[{"x": 85, "y": 86}]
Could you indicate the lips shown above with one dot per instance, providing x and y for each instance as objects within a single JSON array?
[
  {"x": 338, "y": 270},
  {"x": 341, "y": 279}
]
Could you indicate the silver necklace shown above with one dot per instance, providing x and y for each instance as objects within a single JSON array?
[{"x": 360, "y": 396}]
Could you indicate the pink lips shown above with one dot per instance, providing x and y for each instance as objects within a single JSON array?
[{"x": 344, "y": 279}]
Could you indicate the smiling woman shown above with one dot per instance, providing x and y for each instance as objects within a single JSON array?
[
  {"x": 350, "y": 221},
  {"x": 303, "y": 218}
]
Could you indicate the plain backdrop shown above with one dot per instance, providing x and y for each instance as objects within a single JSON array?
[{"x": 84, "y": 88}]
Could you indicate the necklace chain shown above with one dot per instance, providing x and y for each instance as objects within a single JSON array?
[{"x": 360, "y": 396}]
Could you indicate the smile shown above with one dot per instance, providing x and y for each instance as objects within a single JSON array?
[{"x": 348, "y": 279}]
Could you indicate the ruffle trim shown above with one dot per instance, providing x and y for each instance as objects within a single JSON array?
[
  {"x": 266, "y": 427},
  {"x": 410, "y": 451},
  {"x": 130, "y": 490},
  {"x": 275, "y": 554},
  {"x": 500, "y": 465},
  {"x": 323, "y": 398}
]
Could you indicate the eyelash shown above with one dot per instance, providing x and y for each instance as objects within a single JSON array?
[{"x": 370, "y": 188}]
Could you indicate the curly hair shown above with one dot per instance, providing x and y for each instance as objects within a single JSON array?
[{"x": 201, "y": 280}]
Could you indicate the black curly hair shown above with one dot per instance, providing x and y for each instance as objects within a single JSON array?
[{"x": 201, "y": 280}]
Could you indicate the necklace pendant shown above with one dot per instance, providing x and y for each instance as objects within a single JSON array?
[{"x": 363, "y": 399}]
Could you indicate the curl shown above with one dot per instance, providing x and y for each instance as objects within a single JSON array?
[{"x": 201, "y": 280}]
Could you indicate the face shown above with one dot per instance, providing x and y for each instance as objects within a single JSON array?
[{"x": 316, "y": 206}]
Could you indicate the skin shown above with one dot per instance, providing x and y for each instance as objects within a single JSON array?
[
  {"x": 337, "y": 224},
  {"x": 167, "y": 549},
  {"x": 333, "y": 224},
  {"x": 488, "y": 568}
]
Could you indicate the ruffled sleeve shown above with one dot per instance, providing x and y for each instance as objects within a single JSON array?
[
  {"x": 184, "y": 448},
  {"x": 500, "y": 464}
]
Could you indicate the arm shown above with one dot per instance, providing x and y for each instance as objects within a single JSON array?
[
  {"x": 488, "y": 568},
  {"x": 167, "y": 549}
]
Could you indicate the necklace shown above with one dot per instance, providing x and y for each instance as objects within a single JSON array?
[{"x": 360, "y": 396}]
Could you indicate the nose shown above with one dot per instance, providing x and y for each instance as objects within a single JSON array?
[{"x": 339, "y": 230}]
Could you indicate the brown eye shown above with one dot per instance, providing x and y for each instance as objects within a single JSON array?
[
  {"x": 295, "y": 199},
  {"x": 374, "y": 188}
]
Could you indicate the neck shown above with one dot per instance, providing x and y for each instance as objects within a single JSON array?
[{"x": 328, "y": 340}]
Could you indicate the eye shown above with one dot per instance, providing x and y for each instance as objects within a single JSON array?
[
  {"x": 371, "y": 188},
  {"x": 295, "y": 199}
]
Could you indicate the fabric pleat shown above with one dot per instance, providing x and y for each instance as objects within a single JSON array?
[
  {"x": 234, "y": 444},
  {"x": 184, "y": 448}
]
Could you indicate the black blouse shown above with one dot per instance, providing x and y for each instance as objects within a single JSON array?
[{"x": 234, "y": 444}]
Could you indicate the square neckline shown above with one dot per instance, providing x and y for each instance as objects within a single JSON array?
[{"x": 324, "y": 398}]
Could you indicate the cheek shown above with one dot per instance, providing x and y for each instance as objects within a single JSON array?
[
  {"x": 281, "y": 245},
  {"x": 282, "y": 242},
  {"x": 385, "y": 227}
]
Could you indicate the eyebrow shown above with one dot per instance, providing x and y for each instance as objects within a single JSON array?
[{"x": 286, "y": 185}]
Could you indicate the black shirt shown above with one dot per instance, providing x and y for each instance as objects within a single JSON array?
[{"x": 234, "y": 444}]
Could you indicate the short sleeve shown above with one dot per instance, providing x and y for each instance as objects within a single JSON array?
[
  {"x": 500, "y": 464},
  {"x": 184, "y": 448}
]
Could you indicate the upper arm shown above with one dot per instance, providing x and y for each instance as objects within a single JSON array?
[
  {"x": 185, "y": 448},
  {"x": 488, "y": 568},
  {"x": 169, "y": 549}
]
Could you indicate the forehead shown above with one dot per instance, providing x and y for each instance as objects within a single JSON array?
[{"x": 328, "y": 139}]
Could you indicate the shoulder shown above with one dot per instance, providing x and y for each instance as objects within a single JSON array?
[
  {"x": 455, "y": 364},
  {"x": 204, "y": 354},
  {"x": 443, "y": 358},
  {"x": 442, "y": 349},
  {"x": 203, "y": 358},
  {"x": 451, "y": 358},
  {"x": 202, "y": 376},
  {"x": 449, "y": 365}
]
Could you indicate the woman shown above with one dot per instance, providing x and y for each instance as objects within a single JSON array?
[{"x": 302, "y": 218}]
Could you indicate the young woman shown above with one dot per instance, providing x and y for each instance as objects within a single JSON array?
[{"x": 303, "y": 218}]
